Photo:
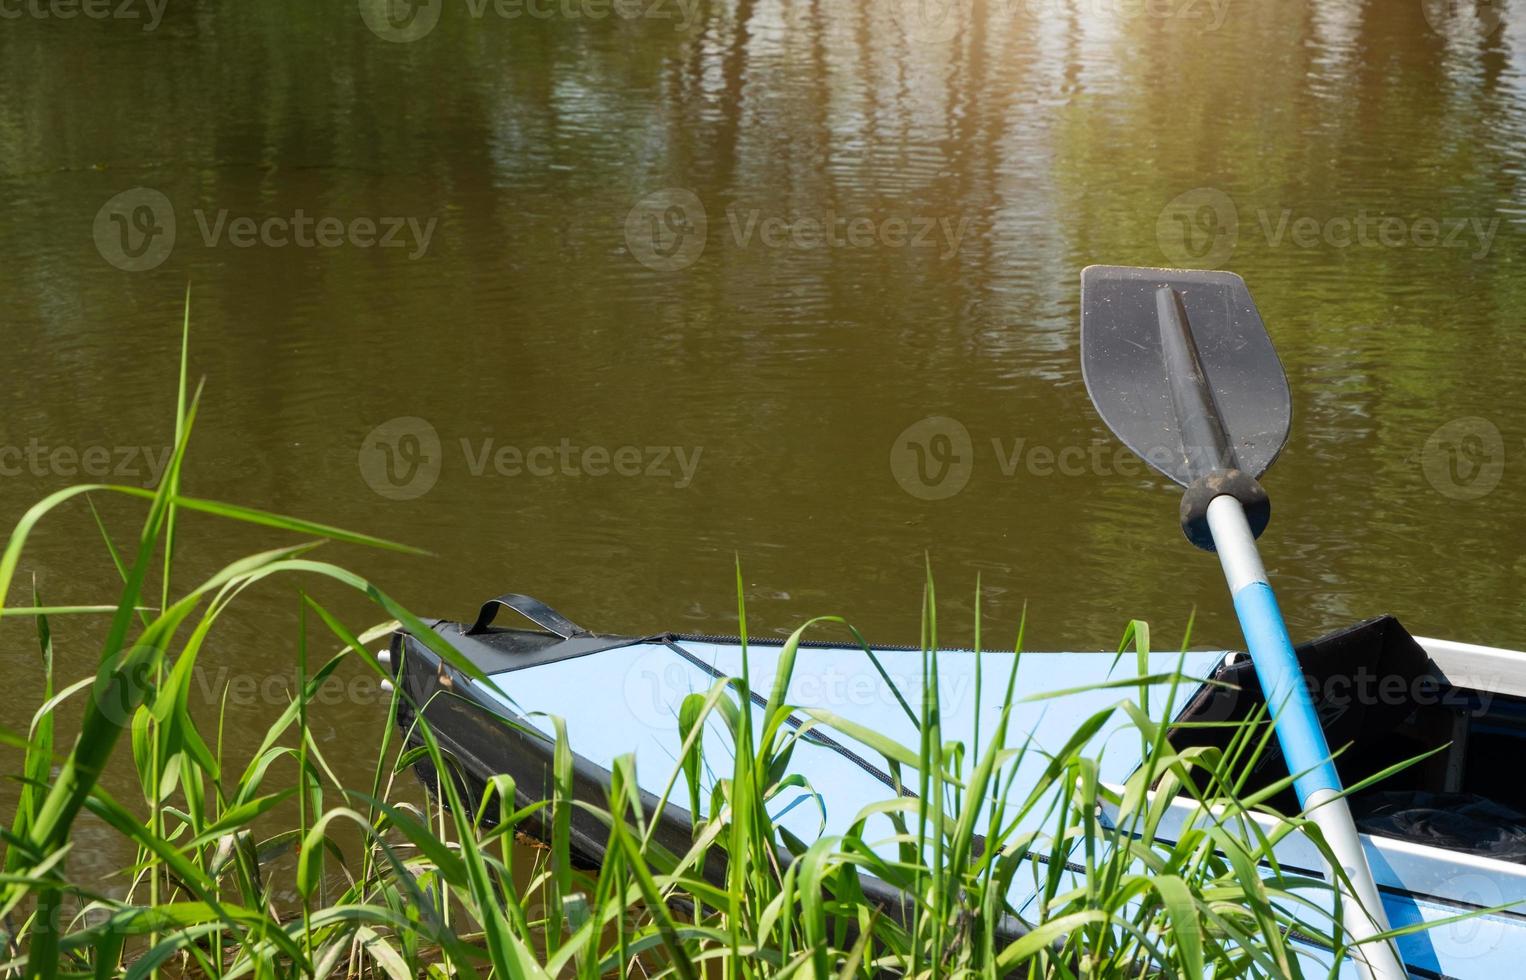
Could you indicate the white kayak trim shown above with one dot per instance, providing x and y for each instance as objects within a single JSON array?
[
  {"x": 1490, "y": 670},
  {"x": 1415, "y": 870}
]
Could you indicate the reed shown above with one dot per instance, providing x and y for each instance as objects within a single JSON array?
[{"x": 441, "y": 888}]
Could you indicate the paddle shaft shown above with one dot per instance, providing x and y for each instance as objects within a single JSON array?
[
  {"x": 1215, "y": 399},
  {"x": 1299, "y": 733}
]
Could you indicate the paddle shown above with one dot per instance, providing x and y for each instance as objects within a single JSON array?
[{"x": 1181, "y": 368}]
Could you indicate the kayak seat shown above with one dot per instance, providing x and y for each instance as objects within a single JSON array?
[{"x": 1464, "y": 822}]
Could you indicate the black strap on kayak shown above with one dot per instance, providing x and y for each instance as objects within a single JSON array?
[{"x": 530, "y": 608}]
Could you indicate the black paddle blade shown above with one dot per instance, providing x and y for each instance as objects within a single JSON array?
[{"x": 1180, "y": 367}]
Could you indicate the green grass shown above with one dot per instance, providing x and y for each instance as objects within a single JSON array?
[{"x": 387, "y": 886}]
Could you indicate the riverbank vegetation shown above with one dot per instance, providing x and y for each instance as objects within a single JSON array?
[{"x": 268, "y": 864}]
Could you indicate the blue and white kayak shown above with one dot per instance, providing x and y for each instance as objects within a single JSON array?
[{"x": 1443, "y": 838}]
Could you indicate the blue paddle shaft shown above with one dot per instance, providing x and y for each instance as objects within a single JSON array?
[
  {"x": 1301, "y": 737},
  {"x": 1298, "y": 728}
]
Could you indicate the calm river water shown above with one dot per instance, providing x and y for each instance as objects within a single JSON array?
[{"x": 592, "y": 300}]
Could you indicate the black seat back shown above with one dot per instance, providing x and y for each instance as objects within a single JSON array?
[{"x": 1364, "y": 680}]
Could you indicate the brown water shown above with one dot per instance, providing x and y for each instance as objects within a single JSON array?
[{"x": 775, "y": 238}]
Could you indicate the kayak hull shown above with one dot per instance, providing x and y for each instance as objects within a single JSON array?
[{"x": 621, "y": 695}]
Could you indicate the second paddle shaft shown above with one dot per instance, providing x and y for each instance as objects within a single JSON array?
[{"x": 1299, "y": 731}]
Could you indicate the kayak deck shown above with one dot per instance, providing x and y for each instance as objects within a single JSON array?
[{"x": 622, "y": 696}]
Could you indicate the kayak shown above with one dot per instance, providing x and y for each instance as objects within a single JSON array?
[{"x": 1443, "y": 838}]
